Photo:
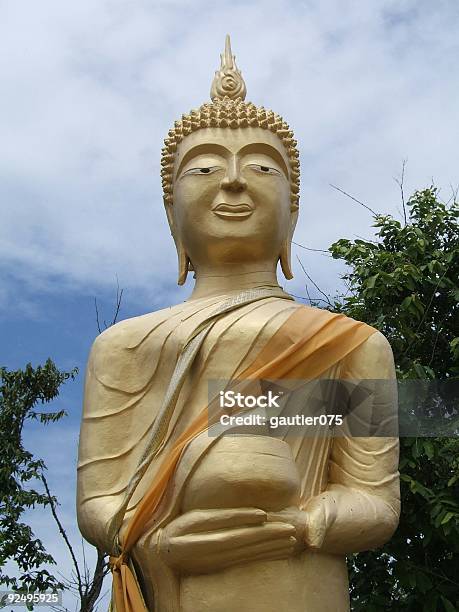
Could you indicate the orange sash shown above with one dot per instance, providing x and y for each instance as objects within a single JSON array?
[{"x": 309, "y": 343}]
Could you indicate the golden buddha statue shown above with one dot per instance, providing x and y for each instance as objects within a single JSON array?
[{"x": 250, "y": 523}]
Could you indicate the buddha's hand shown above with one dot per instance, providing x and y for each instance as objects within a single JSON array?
[
  {"x": 311, "y": 524},
  {"x": 321, "y": 513},
  {"x": 204, "y": 541},
  {"x": 299, "y": 519}
]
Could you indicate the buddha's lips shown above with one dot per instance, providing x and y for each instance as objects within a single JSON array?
[{"x": 238, "y": 211}]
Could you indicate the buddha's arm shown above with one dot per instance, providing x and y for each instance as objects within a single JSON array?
[
  {"x": 360, "y": 507},
  {"x": 94, "y": 507},
  {"x": 93, "y": 521}
]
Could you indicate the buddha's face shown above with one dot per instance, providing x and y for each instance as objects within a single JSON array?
[{"x": 231, "y": 197}]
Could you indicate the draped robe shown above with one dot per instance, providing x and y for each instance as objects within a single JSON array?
[{"x": 128, "y": 372}]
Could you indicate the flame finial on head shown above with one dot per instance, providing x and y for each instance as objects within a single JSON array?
[{"x": 228, "y": 81}]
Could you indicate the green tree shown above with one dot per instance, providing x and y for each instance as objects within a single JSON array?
[
  {"x": 406, "y": 284},
  {"x": 20, "y": 392}
]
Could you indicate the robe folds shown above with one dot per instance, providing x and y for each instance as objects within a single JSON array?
[{"x": 129, "y": 371}]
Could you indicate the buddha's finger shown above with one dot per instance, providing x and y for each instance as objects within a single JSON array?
[
  {"x": 234, "y": 538},
  {"x": 198, "y": 521},
  {"x": 208, "y": 543},
  {"x": 276, "y": 549}
]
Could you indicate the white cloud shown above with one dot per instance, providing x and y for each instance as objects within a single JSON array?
[{"x": 93, "y": 87}]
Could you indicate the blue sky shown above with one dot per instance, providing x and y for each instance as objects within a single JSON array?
[{"x": 90, "y": 90}]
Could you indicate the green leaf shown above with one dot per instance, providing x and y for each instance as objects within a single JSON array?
[
  {"x": 448, "y": 605},
  {"x": 429, "y": 449},
  {"x": 406, "y": 302},
  {"x": 370, "y": 283},
  {"x": 448, "y": 516}
]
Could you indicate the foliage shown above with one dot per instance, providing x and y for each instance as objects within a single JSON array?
[
  {"x": 20, "y": 393},
  {"x": 406, "y": 284}
]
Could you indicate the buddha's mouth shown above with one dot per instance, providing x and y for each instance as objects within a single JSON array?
[{"x": 233, "y": 211}]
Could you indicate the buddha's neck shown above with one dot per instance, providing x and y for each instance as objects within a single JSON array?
[{"x": 230, "y": 278}]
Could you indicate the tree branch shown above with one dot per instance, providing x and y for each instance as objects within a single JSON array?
[
  {"x": 119, "y": 297},
  {"x": 95, "y": 586},
  {"x": 64, "y": 534},
  {"x": 453, "y": 197},
  {"x": 400, "y": 184},
  {"x": 327, "y": 299},
  {"x": 440, "y": 327},
  {"x": 310, "y": 249},
  {"x": 97, "y": 316},
  {"x": 355, "y": 199}
]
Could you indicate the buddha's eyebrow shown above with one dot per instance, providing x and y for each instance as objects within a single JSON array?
[
  {"x": 202, "y": 149},
  {"x": 253, "y": 147},
  {"x": 263, "y": 147}
]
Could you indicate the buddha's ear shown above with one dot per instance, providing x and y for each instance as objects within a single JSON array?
[
  {"x": 184, "y": 263},
  {"x": 286, "y": 251}
]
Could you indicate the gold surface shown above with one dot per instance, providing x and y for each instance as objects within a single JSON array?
[{"x": 252, "y": 524}]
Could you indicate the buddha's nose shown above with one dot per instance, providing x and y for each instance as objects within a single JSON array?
[{"x": 233, "y": 180}]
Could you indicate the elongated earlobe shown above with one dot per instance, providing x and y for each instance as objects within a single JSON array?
[
  {"x": 285, "y": 256},
  {"x": 183, "y": 263},
  {"x": 285, "y": 259}
]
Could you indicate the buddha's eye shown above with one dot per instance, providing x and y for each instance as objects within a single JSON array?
[
  {"x": 264, "y": 169},
  {"x": 205, "y": 170}
]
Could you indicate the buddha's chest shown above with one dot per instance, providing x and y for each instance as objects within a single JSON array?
[{"x": 233, "y": 342}]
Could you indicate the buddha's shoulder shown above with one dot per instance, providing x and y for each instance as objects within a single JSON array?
[
  {"x": 372, "y": 358},
  {"x": 128, "y": 333},
  {"x": 376, "y": 348},
  {"x": 313, "y": 312},
  {"x": 375, "y": 344}
]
